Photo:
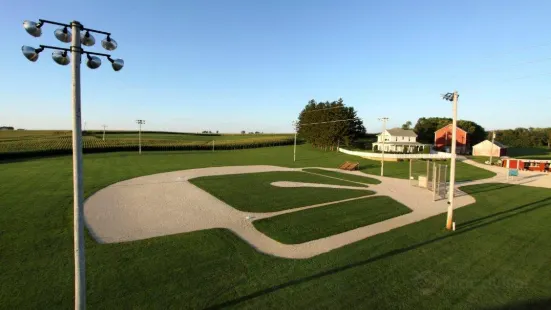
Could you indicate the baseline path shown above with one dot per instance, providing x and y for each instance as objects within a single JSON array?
[{"x": 166, "y": 203}]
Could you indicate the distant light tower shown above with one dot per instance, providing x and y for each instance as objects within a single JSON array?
[
  {"x": 140, "y": 122},
  {"x": 104, "y": 126},
  {"x": 453, "y": 98},
  {"x": 384, "y": 120},
  {"x": 71, "y": 33},
  {"x": 295, "y": 124}
]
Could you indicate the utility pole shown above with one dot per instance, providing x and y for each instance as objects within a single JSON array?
[
  {"x": 384, "y": 120},
  {"x": 492, "y": 147},
  {"x": 453, "y": 97},
  {"x": 104, "y": 126},
  {"x": 140, "y": 122}
]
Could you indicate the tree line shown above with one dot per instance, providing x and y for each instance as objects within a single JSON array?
[
  {"x": 524, "y": 137},
  {"x": 329, "y": 124}
]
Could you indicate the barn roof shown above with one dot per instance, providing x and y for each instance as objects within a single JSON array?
[
  {"x": 437, "y": 130},
  {"x": 402, "y": 132}
]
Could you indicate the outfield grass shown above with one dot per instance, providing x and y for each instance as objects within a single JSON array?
[
  {"x": 501, "y": 257},
  {"x": 345, "y": 176},
  {"x": 316, "y": 223},
  {"x": 253, "y": 192}
]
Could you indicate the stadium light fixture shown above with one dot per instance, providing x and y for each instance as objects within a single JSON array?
[
  {"x": 60, "y": 56},
  {"x": 109, "y": 44},
  {"x": 63, "y": 35},
  {"x": 31, "y": 53},
  {"x": 117, "y": 64},
  {"x": 93, "y": 62},
  {"x": 33, "y": 28},
  {"x": 88, "y": 39}
]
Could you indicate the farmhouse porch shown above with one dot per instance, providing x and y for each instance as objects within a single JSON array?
[{"x": 398, "y": 147}]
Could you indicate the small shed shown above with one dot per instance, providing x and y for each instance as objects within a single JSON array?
[{"x": 486, "y": 148}]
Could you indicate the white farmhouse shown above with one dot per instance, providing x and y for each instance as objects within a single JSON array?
[{"x": 398, "y": 140}]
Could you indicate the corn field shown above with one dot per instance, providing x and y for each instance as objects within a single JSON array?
[{"x": 62, "y": 144}]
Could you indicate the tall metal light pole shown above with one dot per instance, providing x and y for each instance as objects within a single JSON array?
[
  {"x": 140, "y": 122},
  {"x": 295, "y": 124},
  {"x": 453, "y": 97},
  {"x": 492, "y": 147},
  {"x": 60, "y": 56},
  {"x": 384, "y": 120},
  {"x": 104, "y": 126}
]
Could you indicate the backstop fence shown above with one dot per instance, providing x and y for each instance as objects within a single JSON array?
[{"x": 429, "y": 174}]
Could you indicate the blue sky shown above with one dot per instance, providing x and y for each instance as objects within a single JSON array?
[{"x": 253, "y": 65}]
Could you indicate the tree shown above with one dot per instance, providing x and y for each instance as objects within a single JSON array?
[
  {"x": 327, "y": 124},
  {"x": 525, "y": 137},
  {"x": 407, "y": 125},
  {"x": 243, "y": 132}
]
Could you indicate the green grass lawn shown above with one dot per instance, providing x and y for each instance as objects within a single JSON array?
[
  {"x": 253, "y": 192},
  {"x": 316, "y": 223},
  {"x": 500, "y": 257},
  {"x": 345, "y": 176}
]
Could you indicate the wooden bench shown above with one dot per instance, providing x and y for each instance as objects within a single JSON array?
[{"x": 350, "y": 166}]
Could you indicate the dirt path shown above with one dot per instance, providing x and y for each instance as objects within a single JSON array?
[{"x": 166, "y": 203}]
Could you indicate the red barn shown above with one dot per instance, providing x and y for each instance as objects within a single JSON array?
[{"x": 443, "y": 139}]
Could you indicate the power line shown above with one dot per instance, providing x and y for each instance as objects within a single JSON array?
[{"x": 341, "y": 120}]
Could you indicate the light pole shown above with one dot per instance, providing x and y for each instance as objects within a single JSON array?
[
  {"x": 104, "y": 126},
  {"x": 60, "y": 56},
  {"x": 492, "y": 147},
  {"x": 453, "y": 98},
  {"x": 384, "y": 120},
  {"x": 295, "y": 124},
  {"x": 140, "y": 122}
]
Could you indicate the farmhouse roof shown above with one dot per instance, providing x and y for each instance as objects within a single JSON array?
[{"x": 401, "y": 132}]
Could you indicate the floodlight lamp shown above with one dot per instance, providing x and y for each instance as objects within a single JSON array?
[
  {"x": 63, "y": 34},
  {"x": 87, "y": 39},
  {"x": 117, "y": 64},
  {"x": 93, "y": 62},
  {"x": 31, "y": 53},
  {"x": 33, "y": 28},
  {"x": 61, "y": 58},
  {"x": 109, "y": 44}
]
